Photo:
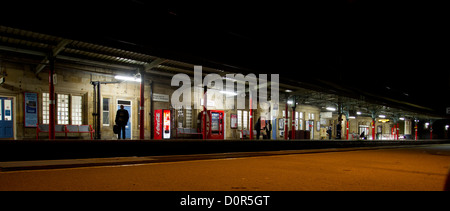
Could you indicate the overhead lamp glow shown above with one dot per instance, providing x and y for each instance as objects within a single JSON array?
[
  {"x": 352, "y": 117},
  {"x": 331, "y": 109},
  {"x": 402, "y": 118},
  {"x": 288, "y": 91},
  {"x": 358, "y": 113},
  {"x": 382, "y": 116},
  {"x": 127, "y": 78}
]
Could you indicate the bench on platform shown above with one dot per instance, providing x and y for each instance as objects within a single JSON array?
[
  {"x": 245, "y": 134},
  {"x": 44, "y": 128}
]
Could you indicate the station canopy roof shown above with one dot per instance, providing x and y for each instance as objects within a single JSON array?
[{"x": 325, "y": 57}]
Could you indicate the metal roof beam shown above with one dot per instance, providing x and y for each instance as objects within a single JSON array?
[
  {"x": 55, "y": 51},
  {"x": 154, "y": 64}
]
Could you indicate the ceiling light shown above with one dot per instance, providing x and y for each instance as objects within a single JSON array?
[
  {"x": 229, "y": 93},
  {"x": 331, "y": 109},
  {"x": 382, "y": 116},
  {"x": 127, "y": 78}
]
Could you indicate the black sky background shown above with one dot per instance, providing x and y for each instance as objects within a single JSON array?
[{"x": 389, "y": 48}]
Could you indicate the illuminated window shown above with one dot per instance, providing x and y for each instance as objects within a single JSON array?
[
  {"x": 300, "y": 121},
  {"x": 63, "y": 109},
  {"x": 45, "y": 107},
  {"x": 77, "y": 110},
  {"x": 245, "y": 120},
  {"x": 239, "y": 116},
  {"x": 188, "y": 117}
]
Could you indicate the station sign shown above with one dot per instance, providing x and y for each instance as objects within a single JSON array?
[
  {"x": 160, "y": 97},
  {"x": 448, "y": 110}
]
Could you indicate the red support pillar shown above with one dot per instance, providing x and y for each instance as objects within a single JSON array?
[
  {"x": 392, "y": 132},
  {"x": 205, "y": 104},
  {"x": 286, "y": 124},
  {"x": 51, "y": 104},
  {"x": 415, "y": 130},
  {"x": 373, "y": 129},
  {"x": 141, "y": 110},
  {"x": 347, "y": 130},
  {"x": 293, "y": 124},
  {"x": 251, "y": 117}
]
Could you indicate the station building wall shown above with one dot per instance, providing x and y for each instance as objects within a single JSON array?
[{"x": 21, "y": 78}]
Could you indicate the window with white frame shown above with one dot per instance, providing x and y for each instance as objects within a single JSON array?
[
  {"x": 245, "y": 120},
  {"x": 106, "y": 112},
  {"x": 63, "y": 114},
  {"x": 62, "y": 109},
  {"x": 300, "y": 121},
  {"x": 45, "y": 108},
  {"x": 239, "y": 116},
  {"x": 188, "y": 117},
  {"x": 77, "y": 111}
]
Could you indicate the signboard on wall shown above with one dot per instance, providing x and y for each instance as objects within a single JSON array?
[
  {"x": 30, "y": 109},
  {"x": 234, "y": 123},
  {"x": 326, "y": 115},
  {"x": 160, "y": 98}
]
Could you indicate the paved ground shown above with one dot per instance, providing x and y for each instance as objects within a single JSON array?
[{"x": 410, "y": 168}]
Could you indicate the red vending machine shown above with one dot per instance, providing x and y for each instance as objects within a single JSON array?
[
  {"x": 162, "y": 124},
  {"x": 215, "y": 124}
]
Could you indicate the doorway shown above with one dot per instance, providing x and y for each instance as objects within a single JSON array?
[
  {"x": 127, "y": 106},
  {"x": 6, "y": 118}
]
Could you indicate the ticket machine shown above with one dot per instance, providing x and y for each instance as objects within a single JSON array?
[
  {"x": 215, "y": 124},
  {"x": 162, "y": 124}
]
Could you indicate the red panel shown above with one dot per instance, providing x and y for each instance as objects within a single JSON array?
[{"x": 157, "y": 133}]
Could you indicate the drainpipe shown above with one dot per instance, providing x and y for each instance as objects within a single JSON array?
[
  {"x": 251, "y": 116},
  {"x": 152, "y": 123},
  {"x": 51, "y": 104},
  {"x": 205, "y": 104},
  {"x": 286, "y": 123},
  {"x": 141, "y": 108}
]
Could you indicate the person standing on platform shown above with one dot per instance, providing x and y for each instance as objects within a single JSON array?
[
  {"x": 329, "y": 132},
  {"x": 258, "y": 128},
  {"x": 122, "y": 117},
  {"x": 267, "y": 130}
]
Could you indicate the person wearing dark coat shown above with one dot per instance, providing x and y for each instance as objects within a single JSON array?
[
  {"x": 268, "y": 129},
  {"x": 362, "y": 136},
  {"x": 258, "y": 128},
  {"x": 122, "y": 117}
]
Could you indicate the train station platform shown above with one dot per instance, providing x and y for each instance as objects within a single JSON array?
[{"x": 70, "y": 149}]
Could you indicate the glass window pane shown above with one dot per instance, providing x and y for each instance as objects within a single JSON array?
[
  {"x": 76, "y": 110},
  {"x": 105, "y": 104}
]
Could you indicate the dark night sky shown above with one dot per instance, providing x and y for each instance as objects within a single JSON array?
[{"x": 367, "y": 45}]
